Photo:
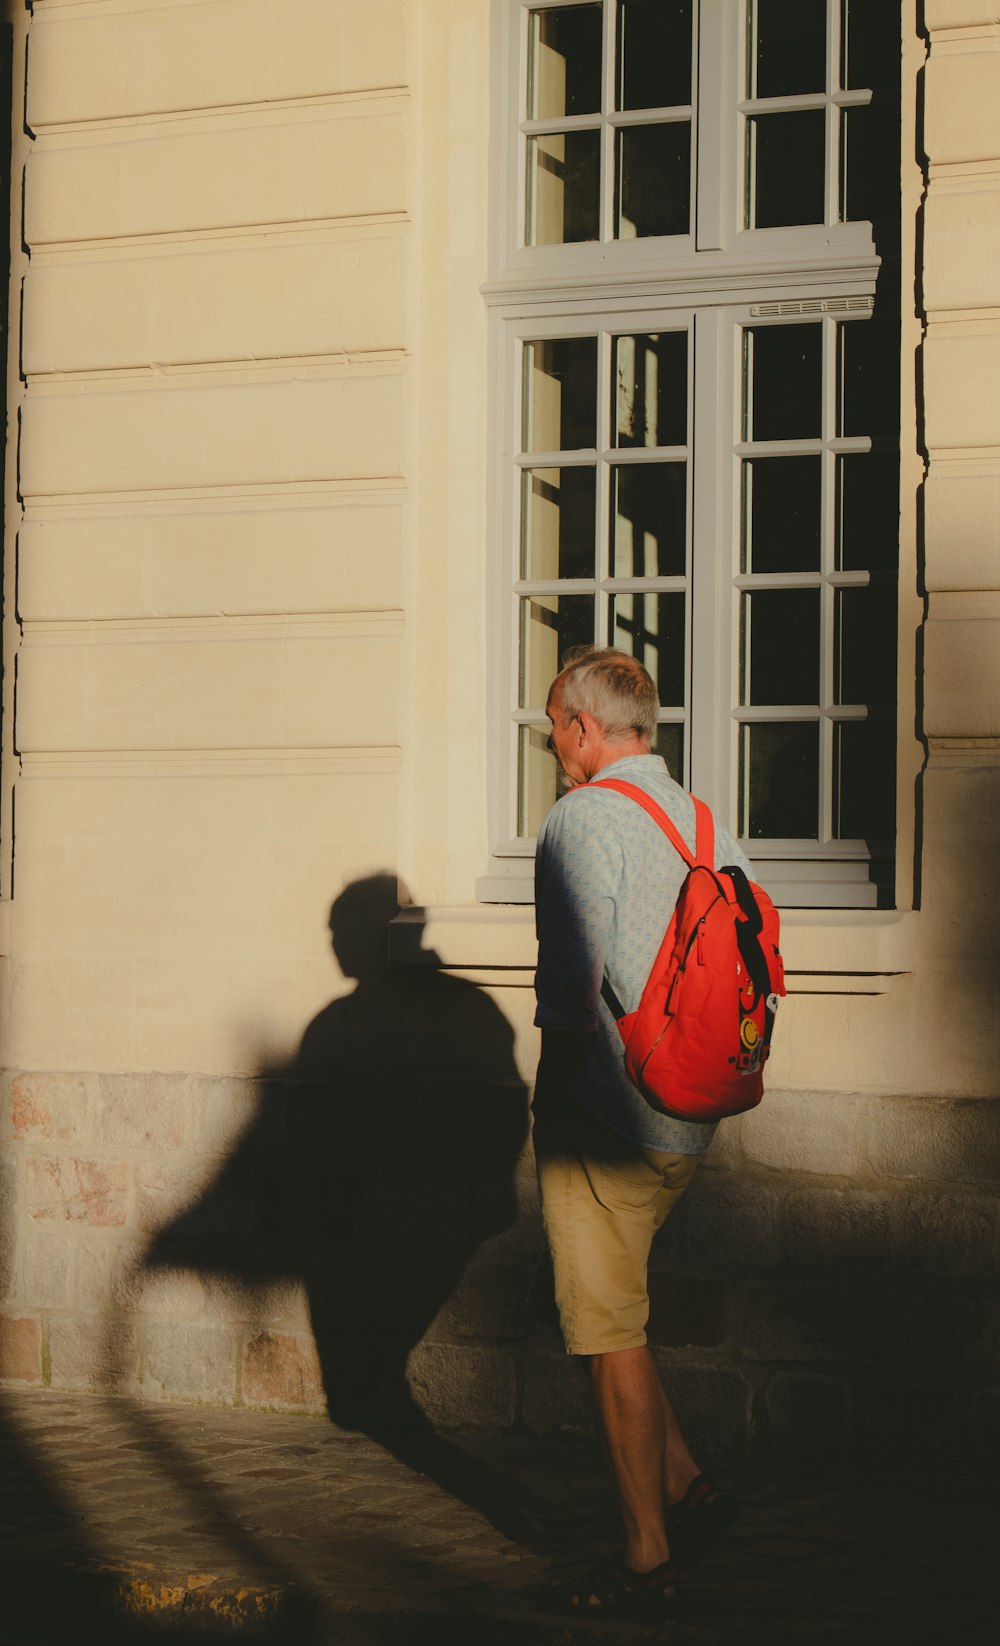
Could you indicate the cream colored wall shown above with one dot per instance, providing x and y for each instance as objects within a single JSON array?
[{"x": 251, "y": 486}]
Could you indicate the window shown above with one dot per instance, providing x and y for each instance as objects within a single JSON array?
[{"x": 696, "y": 339}]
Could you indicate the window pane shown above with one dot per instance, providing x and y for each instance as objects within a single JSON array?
[
  {"x": 651, "y": 383},
  {"x": 864, "y": 779},
  {"x": 780, "y": 647},
  {"x": 868, "y": 389},
  {"x": 653, "y": 182},
  {"x": 564, "y": 64},
  {"x": 539, "y": 779},
  {"x": 649, "y": 520},
  {"x": 870, "y": 164},
  {"x": 864, "y": 646},
  {"x": 550, "y": 625},
  {"x": 872, "y": 44},
  {"x": 668, "y": 742},
  {"x": 781, "y": 514},
  {"x": 563, "y": 188},
  {"x": 779, "y": 781},
  {"x": 783, "y": 380},
  {"x": 654, "y": 54},
  {"x": 786, "y": 166},
  {"x": 557, "y": 523},
  {"x": 651, "y": 628},
  {"x": 868, "y": 512},
  {"x": 560, "y": 394},
  {"x": 788, "y": 48}
]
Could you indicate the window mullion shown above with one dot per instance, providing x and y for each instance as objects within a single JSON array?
[
  {"x": 711, "y": 128},
  {"x": 828, "y": 596},
  {"x": 605, "y": 413},
  {"x": 710, "y": 683}
]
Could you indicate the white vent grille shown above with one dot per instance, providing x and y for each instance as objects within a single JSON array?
[{"x": 815, "y": 305}]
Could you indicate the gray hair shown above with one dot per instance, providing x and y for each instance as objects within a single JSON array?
[{"x": 612, "y": 687}]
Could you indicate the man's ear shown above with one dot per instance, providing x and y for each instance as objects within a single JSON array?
[{"x": 588, "y": 725}]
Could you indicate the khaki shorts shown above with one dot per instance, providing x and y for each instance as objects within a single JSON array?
[{"x": 603, "y": 1199}]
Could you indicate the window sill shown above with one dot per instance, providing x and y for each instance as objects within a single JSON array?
[{"x": 826, "y": 951}]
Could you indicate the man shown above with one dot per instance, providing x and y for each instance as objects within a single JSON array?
[{"x": 610, "y": 1167}]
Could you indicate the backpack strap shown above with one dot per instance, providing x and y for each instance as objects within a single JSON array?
[{"x": 704, "y": 850}]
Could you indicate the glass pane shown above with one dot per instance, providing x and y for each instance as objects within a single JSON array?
[
  {"x": 564, "y": 62},
  {"x": 560, "y": 394},
  {"x": 550, "y": 625},
  {"x": 868, "y": 388},
  {"x": 779, "y": 781},
  {"x": 870, "y": 187},
  {"x": 557, "y": 523},
  {"x": 787, "y": 53},
  {"x": 781, "y": 514},
  {"x": 864, "y": 646},
  {"x": 780, "y": 647},
  {"x": 540, "y": 781},
  {"x": 783, "y": 381},
  {"x": 786, "y": 165},
  {"x": 668, "y": 742},
  {"x": 651, "y": 628},
  {"x": 653, "y": 181},
  {"x": 872, "y": 44},
  {"x": 649, "y": 520},
  {"x": 868, "y": 512},
  {"x": 651, "y": 380},
  {"x": 654, "y": 54},
  {"x": 864, "y": 780},
  {"x": 563, "y": 188}
]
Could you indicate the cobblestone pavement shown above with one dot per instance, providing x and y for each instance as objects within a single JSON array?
[{"x": 123, "y": 1524}]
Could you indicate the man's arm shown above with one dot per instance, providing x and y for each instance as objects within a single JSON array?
[{"x": 578, "y": 869}]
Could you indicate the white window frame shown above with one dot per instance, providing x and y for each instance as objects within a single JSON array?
[{"x": 723, "y": 275}]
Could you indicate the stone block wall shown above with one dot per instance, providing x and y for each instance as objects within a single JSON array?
[{"x": 830, "y": 1277}]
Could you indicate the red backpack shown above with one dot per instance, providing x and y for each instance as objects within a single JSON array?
[{"x": 697, "y": 1042}]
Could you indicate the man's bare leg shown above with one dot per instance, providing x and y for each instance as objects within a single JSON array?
[
  {"x": 640, "y": 1438},
  {"x": 680, "y": 1468}
]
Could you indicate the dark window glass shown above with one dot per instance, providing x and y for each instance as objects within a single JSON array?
[
  {"x": 872, "y": 44},
  {"x": 550, "y": 625},
  {"x": 864, "y": 646},
  {"x": 788, "y": 51},
  {"x": 651, "y": 390},
  {"x": 564, "y": 75},
  {"x": 654, "y": 54},
  {"x": 868, "y": 387},
  {"x": 780, "y": 632},
  {"x": 560, "y": 394},
  {"x": 781, "y": 514},
  {"x": 787, "y": 169},
  {"x": 864, "y": 779},
  {"x": 669, "y": 744},
  {"x": 779, "y": 772},
  {"x": 653, "y": 183},
  {"x": 563, "y": 188},
  {"x": 867, "y": 511},
  {"x": 651, "y": 628},
  {"x": 649, "y": 519},
  {"x": 557, "y": 523},
  {"x": 783, "y": 382}
]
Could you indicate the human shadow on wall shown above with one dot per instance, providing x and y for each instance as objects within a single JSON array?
[{"x": 381, "y": 1158}]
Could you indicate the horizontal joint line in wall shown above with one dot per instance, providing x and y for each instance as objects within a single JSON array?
[
  {"x": 137, "y": 126},
  {"x": 238, "y": 235},
  {"x": 373, "y": 491},
  {"x": 220, "y": 626},
  {"x": 248, "y": 762},
  {"x": 349, "y": 362}
]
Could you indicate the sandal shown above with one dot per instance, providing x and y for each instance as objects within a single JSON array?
[
  {"x": 697, "y": 1520},
  {"x": 615, "y": 1590}
]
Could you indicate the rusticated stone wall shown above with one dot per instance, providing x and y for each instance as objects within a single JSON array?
[{"x": 830, "y": 1276}]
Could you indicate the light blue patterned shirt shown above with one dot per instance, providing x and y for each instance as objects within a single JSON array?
[{"x": 606, "y": 881}]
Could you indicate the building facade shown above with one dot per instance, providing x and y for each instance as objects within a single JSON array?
[{"x": 360, "y": 358}]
